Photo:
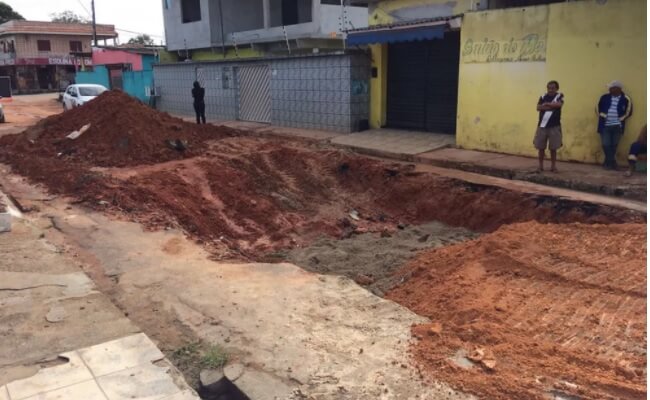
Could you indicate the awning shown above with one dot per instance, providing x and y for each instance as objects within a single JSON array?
[
  {"x": 403, "y": 32},
  {"x": 396, "y": 35}
]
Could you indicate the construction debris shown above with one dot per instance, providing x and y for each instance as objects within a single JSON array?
[{"x": 76, "y": 134}]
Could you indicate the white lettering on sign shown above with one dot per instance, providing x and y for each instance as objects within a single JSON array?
[{"x": 59, "y": 61}]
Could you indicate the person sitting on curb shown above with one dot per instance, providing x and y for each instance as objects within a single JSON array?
[
  {"x": 549, "y": 128},
  {"x": 636, "y": 149},
  {"x": 613, "y": 109}
]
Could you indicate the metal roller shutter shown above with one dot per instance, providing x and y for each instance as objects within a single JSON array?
[{"x": 423, "y": 84}]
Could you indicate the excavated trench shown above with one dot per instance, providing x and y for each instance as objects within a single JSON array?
[{"x": 537, "y": 294}]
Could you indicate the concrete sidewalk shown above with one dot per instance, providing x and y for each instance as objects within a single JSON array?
[
  {"x": 583, "y": 177},
  {"x": 62, "y": 338}
]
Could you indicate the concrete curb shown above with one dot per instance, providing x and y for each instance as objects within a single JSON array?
[{"x": 622, "y": 191}]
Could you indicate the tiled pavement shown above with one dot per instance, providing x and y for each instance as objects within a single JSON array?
[{"x": 128, "y": 368}]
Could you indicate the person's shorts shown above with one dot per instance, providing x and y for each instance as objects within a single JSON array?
[{"x": 551, "y": 137}]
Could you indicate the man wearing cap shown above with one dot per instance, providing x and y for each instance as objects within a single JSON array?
[{"x": 613, "y": 109}]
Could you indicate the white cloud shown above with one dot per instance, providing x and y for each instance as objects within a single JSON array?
[{"x": 128, "y": 16}]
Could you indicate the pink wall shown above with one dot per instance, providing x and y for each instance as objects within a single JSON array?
[{"x": 104, "y": 56}]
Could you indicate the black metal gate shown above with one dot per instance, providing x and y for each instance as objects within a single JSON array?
[{"x": 423, "y": 84}]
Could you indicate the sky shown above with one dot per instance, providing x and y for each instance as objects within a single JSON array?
[{"x": 130, "y": 17}]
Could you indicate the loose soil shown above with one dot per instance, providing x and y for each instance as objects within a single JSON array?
[
  {"x": 371, "y": 259},
  {"x": 538, "y": 308},
  {"x": 244, "y": 197},
  {"x": 122, "y": 131},
  {"x": 542, "y": 309}
]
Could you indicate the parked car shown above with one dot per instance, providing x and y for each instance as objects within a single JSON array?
[{"x": 78, "y": 94}]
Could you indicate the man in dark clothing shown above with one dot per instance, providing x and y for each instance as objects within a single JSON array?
[
  {"x": 198, "y": 93},
  {"x": 549, "y": 128},
  {"x": 613, "y": 109}
]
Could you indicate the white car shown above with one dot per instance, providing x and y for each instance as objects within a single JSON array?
[{"x": 78, "y": 94}]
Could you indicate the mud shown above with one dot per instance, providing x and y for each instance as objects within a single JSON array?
[
  {"x": 541, "y": 309},
  {"x": 371, "y": 259}
]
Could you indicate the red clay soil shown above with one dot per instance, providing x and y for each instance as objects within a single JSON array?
[
  {"x": 542, "y": 310},
  {"x": 123, "y": 131},
  {"x": 247, "y": 197}
]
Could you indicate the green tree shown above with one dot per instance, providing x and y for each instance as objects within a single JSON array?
[
  {"x": 142, "y": 39},
  {"x": 68, "y": 17},
  {"x": 7, "y": 13}
]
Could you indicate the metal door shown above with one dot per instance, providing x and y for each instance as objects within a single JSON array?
[
  {"x": 254, "y": 93},
  {"x": 423, "y": 84}
]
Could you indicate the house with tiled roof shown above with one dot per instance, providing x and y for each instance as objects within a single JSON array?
[{"x": 44, "y": 56}]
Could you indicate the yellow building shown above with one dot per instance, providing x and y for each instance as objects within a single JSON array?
[{"x": 503, "y": 57}]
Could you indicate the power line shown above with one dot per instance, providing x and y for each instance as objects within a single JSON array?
[
  {"x": 139, "y": 33},
  {"x": 84, "y": 7}
]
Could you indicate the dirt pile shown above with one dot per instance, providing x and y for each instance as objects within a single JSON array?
[
  {"x": 246, "y": 197},
  {"x": 121, "y": 132},
  {"x": 256, "y": 196},
  {"x": 534, "y": 311}
]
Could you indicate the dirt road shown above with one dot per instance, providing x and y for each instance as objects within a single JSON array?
[{"x": 26, "y": 110}]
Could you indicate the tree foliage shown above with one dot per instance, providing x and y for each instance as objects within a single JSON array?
[
  {"x": 68, "y": 17},
  {"x": 7, "y": 13},
  {"x": 142, "y": 39}
]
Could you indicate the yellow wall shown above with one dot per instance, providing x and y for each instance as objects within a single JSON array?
[
  {"x": 209, "y": 55},
  {"x": 587, "y": 45},
  {"x": 383, "y": 12},
  {"x": 379, "y": 55}
]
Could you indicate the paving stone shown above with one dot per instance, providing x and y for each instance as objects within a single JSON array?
[
  {"x": 184, "y": 395},
  {"x": 120, "y": 354},
  {"x": 145, "y": 381},
  {"x": 48, "y": 379},
  {"x": 86, "y": 390}
]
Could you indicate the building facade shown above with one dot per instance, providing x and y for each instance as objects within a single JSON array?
[
  {"x": 476, "y": 69},
  {"x": 282, "y": 62},
  {"x": 324, "y": 91},
  {"x": 44, "y": 56},
  {"x": 203, "y": 30},
  {"x": 126, "y": 67}
]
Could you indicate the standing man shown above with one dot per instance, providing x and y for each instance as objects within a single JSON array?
[
  {"x": 613, "y": 109},
  {"x": 198, "y": 93},
  {"x": 549, "y": 128}
]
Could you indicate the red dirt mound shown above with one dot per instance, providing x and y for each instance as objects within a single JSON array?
[
  {"x": 122, "y": 132},
  {"x": 542, "y": 310}
]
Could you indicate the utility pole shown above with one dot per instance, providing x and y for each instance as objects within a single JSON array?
[
  {"x": 223, "y": 37},
  {"x": 92, "y": 5}
]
